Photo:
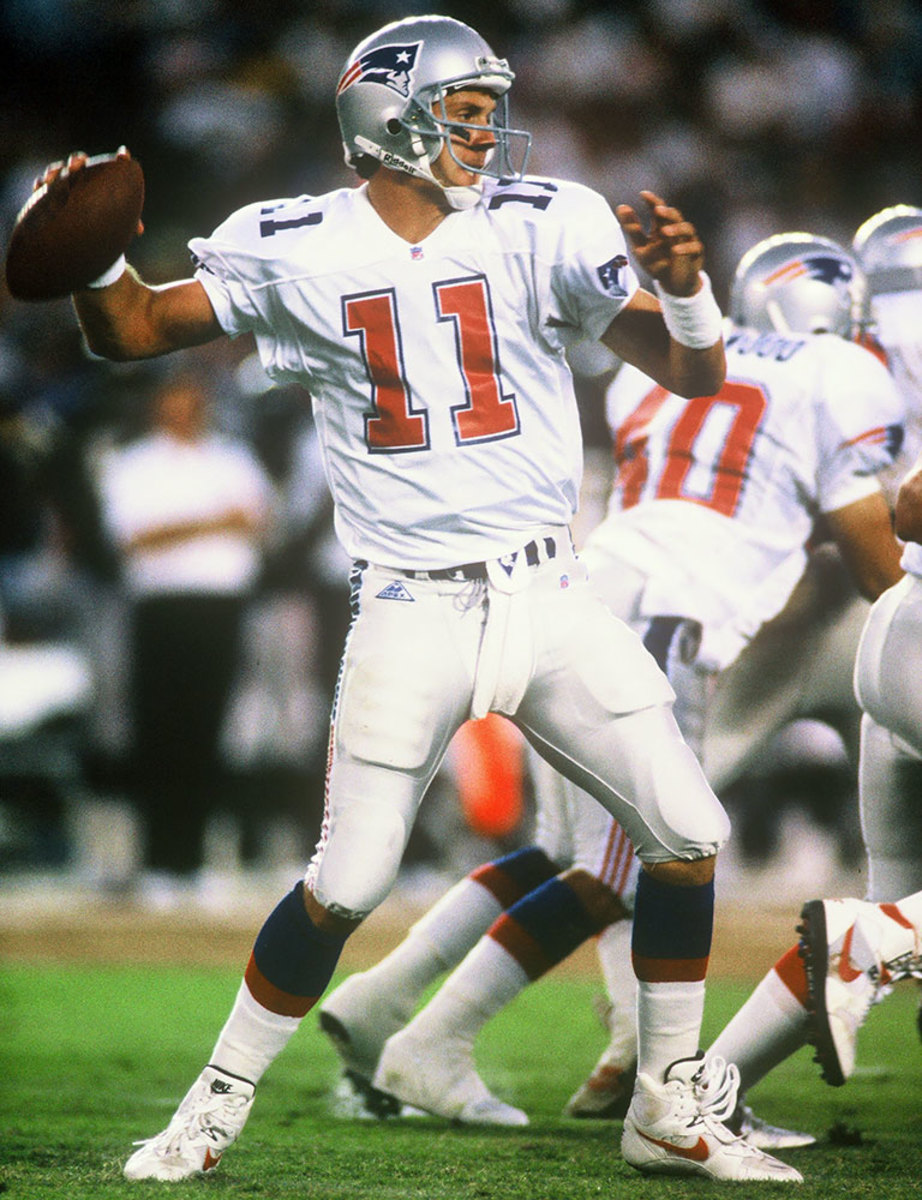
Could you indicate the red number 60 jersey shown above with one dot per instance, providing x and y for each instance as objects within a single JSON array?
[{"x": 715, "y": 499}]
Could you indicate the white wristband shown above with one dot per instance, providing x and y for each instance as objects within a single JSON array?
[
  {"x": 694, "y": 321},
  {"x": 115, "y": 272}
]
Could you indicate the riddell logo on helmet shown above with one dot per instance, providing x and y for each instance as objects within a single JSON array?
[
  {"x": 390, "y": 159},
  {"x": 391, "y": 65}
]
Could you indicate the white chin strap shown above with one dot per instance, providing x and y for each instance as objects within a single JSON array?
[
  {"x": 460, "y": 198},
  {"x": 463, "y": 198}
]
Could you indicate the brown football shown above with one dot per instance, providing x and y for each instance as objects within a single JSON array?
[{"x": 73, "y": 229}]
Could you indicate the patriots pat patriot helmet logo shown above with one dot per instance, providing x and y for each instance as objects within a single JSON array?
[
  {"x": 906, "y": 235},
  {"x": 825, "y": 268},
  {"x": 391, "y": 65}
]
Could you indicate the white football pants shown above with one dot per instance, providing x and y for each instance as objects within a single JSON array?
[
  {"x": 535, "y": 643},
  {"x": 888, "y": 684}
]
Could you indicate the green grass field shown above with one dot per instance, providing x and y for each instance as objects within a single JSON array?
[{"x": 92, "y": 1057}]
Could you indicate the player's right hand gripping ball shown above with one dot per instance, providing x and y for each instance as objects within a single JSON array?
[{"x": 73, "y": 229}]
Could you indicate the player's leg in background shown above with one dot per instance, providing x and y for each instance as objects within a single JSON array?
[
  {"x": 369, "y": 1006},
  {"x": 799, "y": 664},
  {"x": 599, "y": 846},
  {"x": 430, "y": 1063},
  {"x": 775, "y": 1021},
  {"x": 890, "y": 778},
  {"x": 890, "y": 792},
  {"x": 888, "y": 672}
]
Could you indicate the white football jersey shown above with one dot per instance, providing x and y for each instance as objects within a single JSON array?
[
  {"x": 441, "y": 391},
  {"x": 716, "y": 498}
]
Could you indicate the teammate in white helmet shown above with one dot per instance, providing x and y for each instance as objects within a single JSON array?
[
  {"x": 715, "y": 502},
  {"x": 889, "y": 245},
  {"x": 817, "y": 634},
  {"x": 428, "y": 312},
  {"x": 851, "y": 949}
]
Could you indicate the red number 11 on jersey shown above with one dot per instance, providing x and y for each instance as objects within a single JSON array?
[{"x": 394, "y": 425}]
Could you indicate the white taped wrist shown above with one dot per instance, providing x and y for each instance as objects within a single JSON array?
[
  {"x": 694, "y": 321},
  {"x": 115, "y": 272}
]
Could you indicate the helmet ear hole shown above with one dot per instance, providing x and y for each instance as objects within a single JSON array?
[{"x": 394, "y": 127}]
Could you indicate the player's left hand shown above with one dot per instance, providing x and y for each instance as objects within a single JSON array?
[{"x": 670, "y": 251}]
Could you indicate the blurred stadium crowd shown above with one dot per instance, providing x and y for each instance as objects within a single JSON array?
[{"x": 753, "y": 116}]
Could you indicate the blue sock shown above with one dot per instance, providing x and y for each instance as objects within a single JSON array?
[
  {"x": 515, "y": 875},
  {"x": 544, "y": 927},
  {"x": 673, "y": 925},
  {"x": 292, "y": 960}
]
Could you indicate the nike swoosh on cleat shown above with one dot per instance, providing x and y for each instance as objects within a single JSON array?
[
  {"x": 847, "y": 972},
  {"x": 211, "y": 1161},
  {"x": 697, "y": 1153}
]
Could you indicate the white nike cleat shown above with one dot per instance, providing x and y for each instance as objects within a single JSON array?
[
  {"x": 675, "y": 1127},
  {"x": 759, "y": 1133},
  {"x": 358, "y": 1020},
  {"x": 208, "y": 1120},
  {"x": 840, "y": 943},
  {"x": 441, "y": 1078}
]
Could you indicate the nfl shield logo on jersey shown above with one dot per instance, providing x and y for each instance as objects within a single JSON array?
[{"x": 390, "y": 65}]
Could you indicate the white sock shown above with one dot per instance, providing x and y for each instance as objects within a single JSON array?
[
  {"x": 486, "y": 981},
  {"x": 770, "y": 1026},
  {"x": 437, "y": 942},
  {"x": 668, "y": 1023},
  {"x": 614, "y": 950},
  {"x": 252, "y": 1037}
]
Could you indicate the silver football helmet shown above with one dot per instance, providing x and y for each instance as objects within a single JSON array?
[
  {"x": 798, "y": 283},
  {"x": 889, "y": 248},
  {"x": 390, "y": 101}
]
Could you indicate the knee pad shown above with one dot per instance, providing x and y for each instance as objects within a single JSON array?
[{"x": 357, "y": 863}]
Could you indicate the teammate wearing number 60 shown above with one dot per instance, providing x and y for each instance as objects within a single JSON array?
[{"x": 428, "y": 312}]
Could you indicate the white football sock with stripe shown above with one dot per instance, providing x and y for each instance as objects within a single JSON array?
[
  {"x": 769, "y": 1027},
  {"x": 435, "y": 944}
]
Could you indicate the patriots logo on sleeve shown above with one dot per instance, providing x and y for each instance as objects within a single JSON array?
[
  {"x": 391, "y": 65},
  {"x": 609, "y": 275},
  {"x": 888, "y": 437}
]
